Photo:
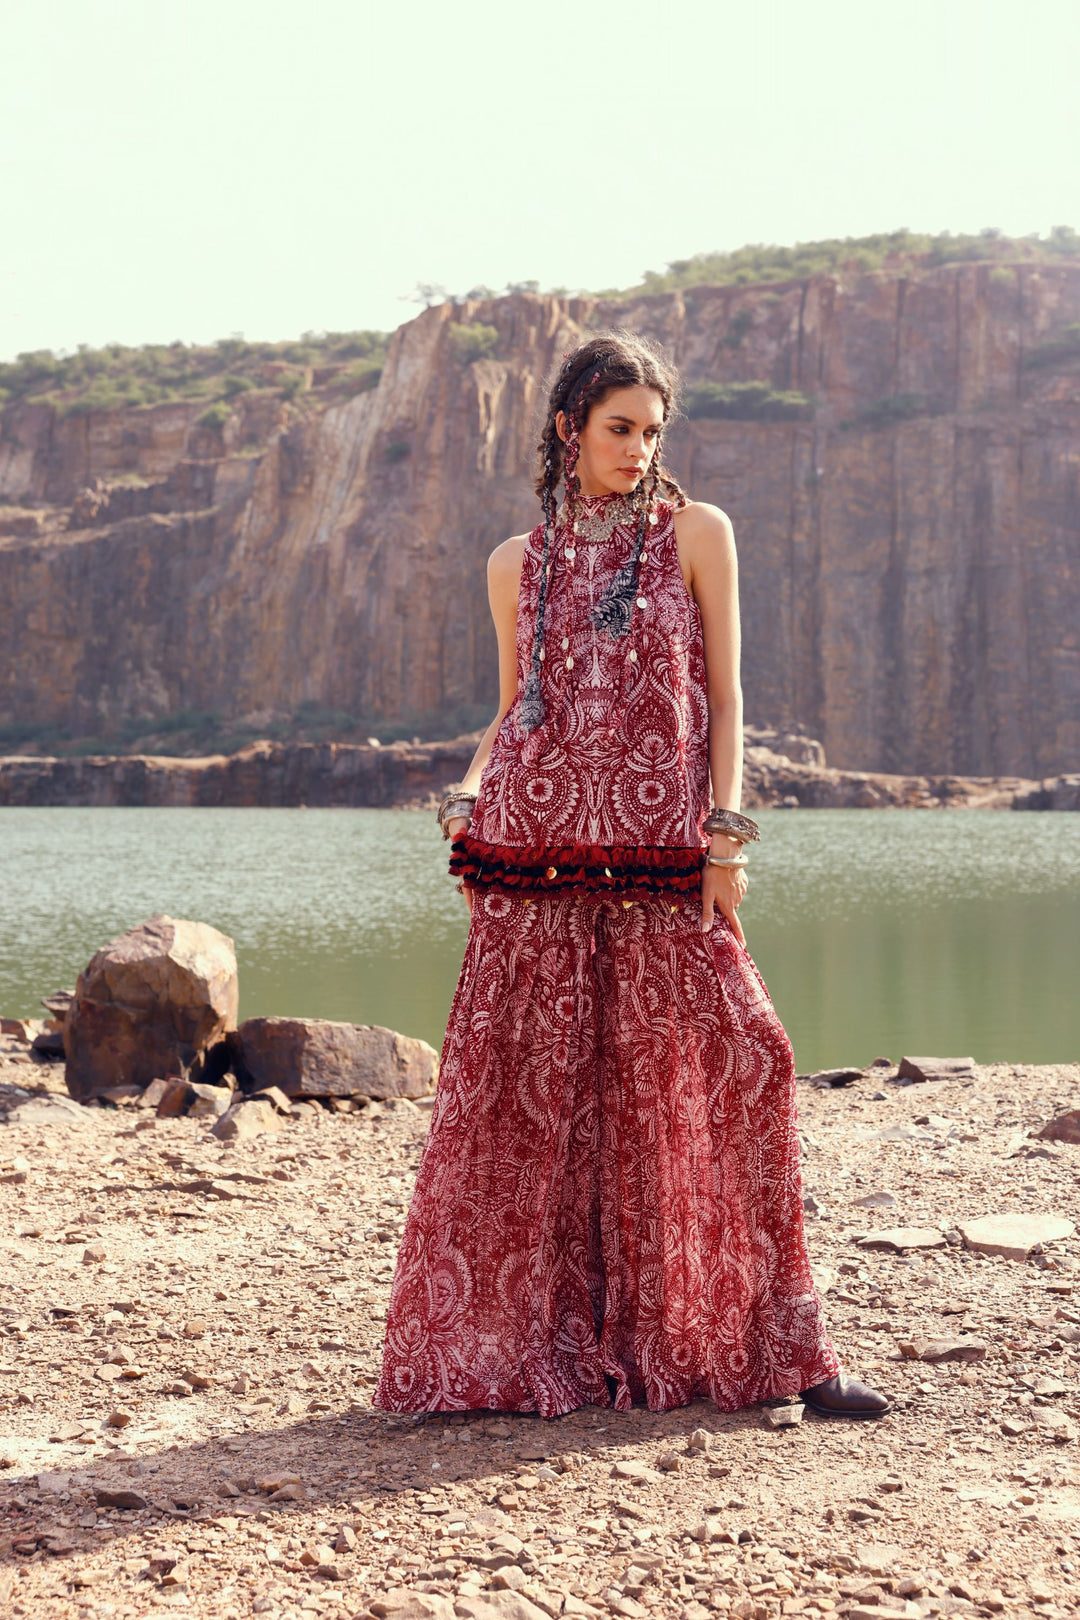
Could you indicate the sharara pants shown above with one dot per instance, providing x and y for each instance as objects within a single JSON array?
[{"x": 609, "y": 1206}]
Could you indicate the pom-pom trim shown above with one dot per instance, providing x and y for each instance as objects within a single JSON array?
[{"x": 575, "y": 868}]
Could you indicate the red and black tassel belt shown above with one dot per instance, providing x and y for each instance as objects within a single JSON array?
[{"x": 576, "y": 868}]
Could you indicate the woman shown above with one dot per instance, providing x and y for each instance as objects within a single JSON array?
[{"x": 609, "y": 1206}]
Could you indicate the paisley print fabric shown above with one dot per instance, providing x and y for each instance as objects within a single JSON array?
[
  {"x": 610, "y": 1190},
  {"x": 621, "y": 756}
]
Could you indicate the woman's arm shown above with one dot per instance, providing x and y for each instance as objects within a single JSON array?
[
  {"x": 710, "y": 567},
  {"x": 504, "y": 578}
]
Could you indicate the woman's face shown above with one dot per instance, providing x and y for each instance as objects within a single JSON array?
[{"x": 619, "y": 440}]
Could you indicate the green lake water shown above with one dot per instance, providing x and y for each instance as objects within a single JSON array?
[{"x": 878, "y": 932}]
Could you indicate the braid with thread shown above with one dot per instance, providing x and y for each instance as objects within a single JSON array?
[{"x": 616, "y": 359}]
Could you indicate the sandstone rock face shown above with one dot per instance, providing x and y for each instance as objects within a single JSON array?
[
  {"x": 267, "y": 774},
  {"x": 910, "y": 585},
  {"x": 315, "y": 1057},
  {"x": 151, "y": 1003},
  {"x": 346, "y": 774}
]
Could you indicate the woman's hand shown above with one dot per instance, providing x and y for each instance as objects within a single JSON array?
[
  {"x": 723, "y": 888},
  {"x": 459, "y": 824}
]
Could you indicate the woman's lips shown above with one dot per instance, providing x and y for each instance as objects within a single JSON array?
[{"x": 630, "y": 472}]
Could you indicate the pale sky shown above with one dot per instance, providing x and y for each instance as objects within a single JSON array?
[{"x": 219, "y": 166}]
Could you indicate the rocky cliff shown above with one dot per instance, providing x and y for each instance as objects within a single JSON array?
[
  {"x": 910, "y": 542},
  {"x": 788, "y": 771}
]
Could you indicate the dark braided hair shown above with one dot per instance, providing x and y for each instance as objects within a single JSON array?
[{"x": 611, "y": 360}]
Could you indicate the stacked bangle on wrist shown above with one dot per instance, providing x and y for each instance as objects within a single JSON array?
[
  {"x": 457, "y": 805},
  {"x": 731, "y": 862},
  {"x": 732, "y": 825}
]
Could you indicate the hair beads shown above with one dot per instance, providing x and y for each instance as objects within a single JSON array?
[{"x": 531, "y": 708}]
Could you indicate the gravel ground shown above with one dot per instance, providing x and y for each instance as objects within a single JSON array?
[{"x": 199, "y": 1326}]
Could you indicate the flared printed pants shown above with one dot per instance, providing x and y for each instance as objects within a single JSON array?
[{"x": 610, "y": 1189}]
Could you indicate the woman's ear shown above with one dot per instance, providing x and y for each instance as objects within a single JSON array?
[{"x": 560, "y": 425}]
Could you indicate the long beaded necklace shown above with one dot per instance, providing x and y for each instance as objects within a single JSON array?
[
  {"x": 614, "y": 611},
  {"x": 590, "y": 527}
]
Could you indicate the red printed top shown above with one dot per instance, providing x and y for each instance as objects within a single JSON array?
[{"x": 610, "y": 791}]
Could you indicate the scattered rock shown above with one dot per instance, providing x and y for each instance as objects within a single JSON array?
[
  {"x": 914, "y": 1069},
  {"x": 49, "y": 1043},
  {"x": 935, "y": 1350},
  {"x": 875, "y": 1200},
  {"x": 154, "y": 1001},
  {"x": 784, "y": 1417},
  {"x": 878, "y": 1557},
  {"x": 1014, "y": 1236},
  {"x": 900, "y": 1238},
  {"x": 1058, "y": 1423},
  {"x": 52, "y": 1113},
  {"x": 129, "y": 1501},
  {"x": 403, "y": 1603},
  {"x": 246, "y": 1119},
  {"x": 1065, "y": 1128},
  {"x": 94, "y": 1254},
  {"x": 314, "y": 1057},
  {"x": 638, "y": 1473},
  {"x": 272, "y": 1094},
  {"x": 209, "y": 1101},
  {"x": 700, "y": 1440},
  {"x": 833, "y": 1078}
]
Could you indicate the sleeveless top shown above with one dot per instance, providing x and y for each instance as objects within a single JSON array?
[{"x": 610, "y": 791}]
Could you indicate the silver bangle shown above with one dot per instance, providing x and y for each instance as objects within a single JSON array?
[
  {"x": 455, "y": 806},
  {"x": 733, "y": 824},
  {"x": 726, "y": 860}
]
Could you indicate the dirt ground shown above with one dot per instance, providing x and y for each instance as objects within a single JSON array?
[{"x": 199, "y": 1326}]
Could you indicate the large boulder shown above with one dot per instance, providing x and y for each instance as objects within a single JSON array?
[
  {"x": 314, "y": 1057},
  {"x": 154, "y": 1002}
]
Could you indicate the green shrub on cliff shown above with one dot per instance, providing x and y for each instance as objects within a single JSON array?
[
  {"x": 360, "y": 378},
  {"x": 758, "y": 262},
  {"x": 469, "y": 343},
  {"x": 231, "y": 386},
  {"x": 1055, "y": 350},
  {"x": 890, "y": 409},
  {"x": 114, "y": 376},
  {"x": 747, "y": 402},
  {"x": 216, "y": 417}
]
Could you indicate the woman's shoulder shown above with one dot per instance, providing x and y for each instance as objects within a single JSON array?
[
  {"x": 508, "y": 556},
  {"x": 697, "y": 519}
]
